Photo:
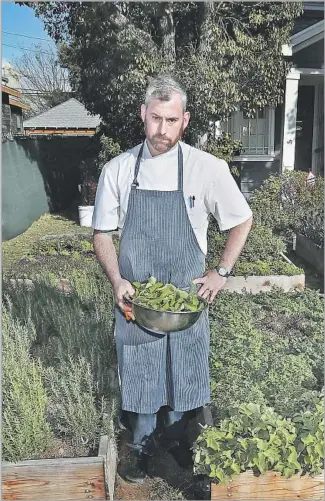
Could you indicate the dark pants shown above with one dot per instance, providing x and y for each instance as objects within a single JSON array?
[{"x": 143, "y": 427}]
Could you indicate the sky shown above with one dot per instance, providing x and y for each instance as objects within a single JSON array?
[{"x": 21, "y": 21}]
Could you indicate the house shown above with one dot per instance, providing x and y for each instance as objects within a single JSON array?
[
  {"x": 68, "y": 118},
  {"x": 292, "y": 135},
  {"x": 43, "y": 166},
  {"x": 12, "y": 105}
]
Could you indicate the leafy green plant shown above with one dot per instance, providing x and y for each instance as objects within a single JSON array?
[
  {"x": 256, "y": 437},
  {"x": 285, "y": 201},
  {"x": 310, "y": 436},
  {"x": 266, "y": 268},
  {"x": 25, "y": 430},
  {"x": 253, "y": 437},
  {"x": 166, "y": 297},
  {"x": 226, "y": 148}
]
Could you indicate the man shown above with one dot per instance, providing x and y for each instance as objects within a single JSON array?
[{"x": 160, "y": 194}]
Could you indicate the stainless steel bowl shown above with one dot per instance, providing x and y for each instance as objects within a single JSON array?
[{"x": 163, "y": 322}]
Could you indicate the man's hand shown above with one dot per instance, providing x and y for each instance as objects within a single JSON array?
[
  {"x": 121, "y": 289},
  {"x": 212, "y": 283}
]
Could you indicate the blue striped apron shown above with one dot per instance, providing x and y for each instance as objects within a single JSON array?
[{"x": 158, "y": 240}]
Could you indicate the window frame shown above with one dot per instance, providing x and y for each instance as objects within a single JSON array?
[{"x": 237, "y": 116}]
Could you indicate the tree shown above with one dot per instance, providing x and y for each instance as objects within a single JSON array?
[
  {"x": 44, "y": 81},
  {"x": 225, "y": 53}
]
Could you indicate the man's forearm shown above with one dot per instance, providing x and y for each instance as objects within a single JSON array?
[
  {"x": 106, "y": 255},
  {"x": 235, "y": 243}
]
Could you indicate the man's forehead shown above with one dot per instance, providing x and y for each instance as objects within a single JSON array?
[{"x": 171, "y": 107}]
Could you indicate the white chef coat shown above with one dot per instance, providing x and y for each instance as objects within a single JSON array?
[{"x": 205, "y": 177}]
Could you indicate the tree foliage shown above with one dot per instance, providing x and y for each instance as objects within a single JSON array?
[
  {"x": 225, "y": 53},
  {"x": 45, "y": 83}
]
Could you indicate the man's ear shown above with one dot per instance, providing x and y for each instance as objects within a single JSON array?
[
  {"x": 186, "y": 119},
  {"x": 143, "y": 112}
]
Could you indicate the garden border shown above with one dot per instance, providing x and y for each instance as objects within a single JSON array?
[
  {"x": 271, "y": 486},
  {"x": 81, "y": 477}
]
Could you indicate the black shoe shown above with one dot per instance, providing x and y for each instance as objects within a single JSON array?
[
  {"x": 136, "y": 467},
  {"x": 182, "y": 455}
]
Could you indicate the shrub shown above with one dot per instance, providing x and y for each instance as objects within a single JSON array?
[
  {"x": 260, "y": 256},
  {"x": 261, "y": 243},
  {"x": 267, "y": 267},
  {"x": 78, "y": 324},
  {"x": 285, "y": 201},
  {"x": 63, "y": 244},
  {"x": 73, "y": 407},
  {"x": 226, "y": 148},
  {"x": 25, "y": 431},
  {"x": 266, "y": 348}
]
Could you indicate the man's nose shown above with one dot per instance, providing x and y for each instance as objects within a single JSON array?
[{"x": 163, "y": 127}]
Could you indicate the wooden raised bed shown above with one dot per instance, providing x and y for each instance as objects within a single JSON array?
[
  {"x": 65, "y": 479},
  {"x": 264, "y": 283},
  {"x": 310, "y": 252},
  {"x": 270, "y": 486}
]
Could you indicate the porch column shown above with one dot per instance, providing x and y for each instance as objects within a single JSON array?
[{"x": 290, "y": 116}]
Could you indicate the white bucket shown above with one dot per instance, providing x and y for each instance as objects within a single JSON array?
[{"x": 86, "y": 215}]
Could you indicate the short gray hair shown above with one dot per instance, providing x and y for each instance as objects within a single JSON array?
[{"x": 162, "y": 87}]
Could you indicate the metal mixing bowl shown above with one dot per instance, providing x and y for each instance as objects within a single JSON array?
[{"x": 165, "y": 321}]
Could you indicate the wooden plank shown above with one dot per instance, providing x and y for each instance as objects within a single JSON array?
[
  {"x": 65, "y": 481},
  {"x": 108, "y": 450},
  {"x": 270, "y": 486},
  {"x": 36, "y": 463},
  {"x": 10, "y": 91}
]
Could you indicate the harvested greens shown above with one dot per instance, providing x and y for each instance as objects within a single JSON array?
[{"x": 166, "y": 297}]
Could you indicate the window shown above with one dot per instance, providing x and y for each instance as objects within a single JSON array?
[{"x": 256, "y": 133}]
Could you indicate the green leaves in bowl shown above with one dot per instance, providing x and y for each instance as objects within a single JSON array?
[{"x": 166, "y": 297}]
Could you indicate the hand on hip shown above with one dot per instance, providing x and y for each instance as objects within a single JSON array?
[{"x": 212, "y": 283}]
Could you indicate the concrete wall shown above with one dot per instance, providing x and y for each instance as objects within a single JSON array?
[{"x": 40, "y": 175}]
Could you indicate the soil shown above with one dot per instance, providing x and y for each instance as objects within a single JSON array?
[
  {"x": 64, "y": 449},
  {"x": 166, "y": 479}
]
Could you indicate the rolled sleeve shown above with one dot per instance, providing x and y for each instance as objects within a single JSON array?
[
  {"x": 225, "y": 200},
  {"x": 107, "y": 203}
]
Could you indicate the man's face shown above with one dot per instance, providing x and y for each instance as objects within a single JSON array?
[{"x": 164, "y": 123}]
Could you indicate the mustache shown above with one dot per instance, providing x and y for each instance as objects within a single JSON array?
[{"x": 157, "y": 136}]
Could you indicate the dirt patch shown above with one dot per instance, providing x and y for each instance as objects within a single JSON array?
[
  {"x": 64, "y": 449},
  {"x": 166, "y": 479}
]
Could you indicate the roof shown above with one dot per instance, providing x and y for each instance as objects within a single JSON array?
[
  {"x": 14, "y": 96},
  {"x": 68, "y": 115},
  {"x": 304, "y": 38}
]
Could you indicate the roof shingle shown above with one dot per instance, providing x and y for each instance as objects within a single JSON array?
[{"x": 68, "y": 115}]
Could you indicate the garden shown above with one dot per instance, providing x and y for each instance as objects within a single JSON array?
[{"x": 60, "y": 382}]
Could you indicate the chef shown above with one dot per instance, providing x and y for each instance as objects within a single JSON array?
[{"x": 159, "y": 195}]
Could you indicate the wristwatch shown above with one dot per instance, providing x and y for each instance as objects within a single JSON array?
[{"x": 223, "y": 272}]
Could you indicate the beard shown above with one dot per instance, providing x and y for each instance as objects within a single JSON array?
[{"x": 161, "y": 143}]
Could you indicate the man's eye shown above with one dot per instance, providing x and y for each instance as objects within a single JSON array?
[{"x": 171, "y": 120}]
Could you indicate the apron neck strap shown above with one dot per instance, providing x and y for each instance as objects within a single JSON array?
[{"x": 135, "y": 182}]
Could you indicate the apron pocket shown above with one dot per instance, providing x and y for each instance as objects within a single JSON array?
[{"x": 143, "y": 378}]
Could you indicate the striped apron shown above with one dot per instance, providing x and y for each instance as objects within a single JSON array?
[{"x": 158, "y": 240}]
